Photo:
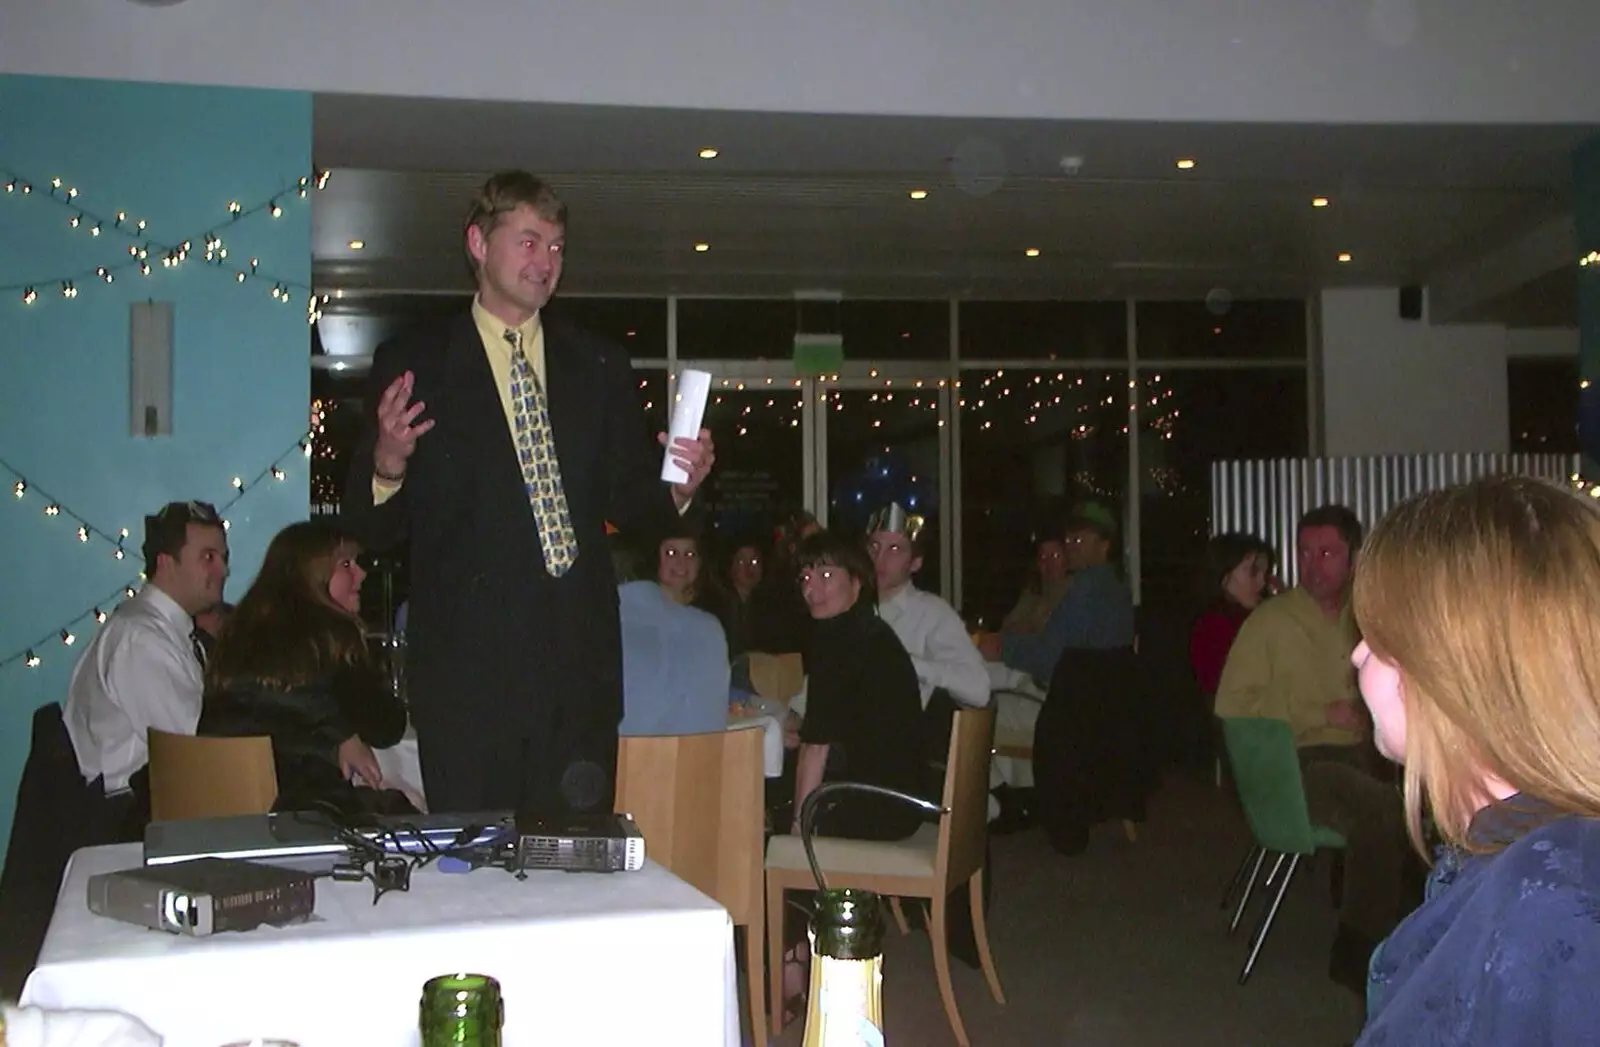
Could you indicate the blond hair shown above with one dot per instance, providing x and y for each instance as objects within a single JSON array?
[
  {"x": 1486, "y": 598},
  {"x": 506, "y": 191}
]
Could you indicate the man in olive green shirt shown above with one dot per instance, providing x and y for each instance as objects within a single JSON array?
[{"x": 1291, "y": 662}]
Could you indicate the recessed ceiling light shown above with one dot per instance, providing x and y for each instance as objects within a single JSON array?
[
  {"x": 919, "y": 194},
  {"x": 1319, "y": 201},
  {"x": 1032, "y": 252},
  {"x": 1185, "y": 164},
  {"x": 1344, "y": 256},
  {"x": 708, "y": 153},
  {"x": 702, "y": 247},
  {"x": 356, "y": 245}
]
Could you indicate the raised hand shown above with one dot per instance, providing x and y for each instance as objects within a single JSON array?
[
  {"x": 695, "y": 457},
  {"x": 398, "y": 427}
]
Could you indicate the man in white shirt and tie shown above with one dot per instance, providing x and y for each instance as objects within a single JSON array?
[{"x": 141, "y": 670}]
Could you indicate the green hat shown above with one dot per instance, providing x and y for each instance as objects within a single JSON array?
[{"x": 1092, "y": 516}]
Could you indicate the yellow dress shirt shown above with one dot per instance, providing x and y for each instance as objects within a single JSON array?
[{"x": 492, "y": 333}]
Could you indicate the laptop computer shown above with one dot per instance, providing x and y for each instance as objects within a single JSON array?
[{"x": 307, "y": 840}]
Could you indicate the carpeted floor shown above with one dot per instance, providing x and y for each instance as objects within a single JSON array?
[{"x": 1125, "y": 946}]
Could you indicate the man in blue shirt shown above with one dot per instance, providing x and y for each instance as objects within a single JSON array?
[
  {"x": 674, "y": 659},
  {"x": 1095, "y": 614}
]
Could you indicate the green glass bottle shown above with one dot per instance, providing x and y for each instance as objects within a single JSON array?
[
  {"x": 846, "y": 999},
  {"x": 462, "y": 1010}
]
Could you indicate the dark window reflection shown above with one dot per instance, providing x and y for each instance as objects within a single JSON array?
[
  {"x": 638, "y": 325},
  {"x": 1033, "y": 444},
  {"x": 895, "y": 330},
  {"x": 883, "y": 446},
  {"x": 651, "y": 386},
  {"x": 1542, "y": 397},
  {"x": 1220, "y": 328},
  {"x": 1044, "y": 331},
  {"x": 736, "y": 329},
  {"x": 1189, "y": 419},
  {"x": 760, "y": 459}
]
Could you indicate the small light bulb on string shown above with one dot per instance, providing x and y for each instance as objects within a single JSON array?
[
  {"x": 275, "y": 210},
  {"x": 239, "y": 277},
  {"x": 29, "y": 296},
  {"x": 301, "y": 186},
  {"x": 75, "y": 221},
  {"x": 99, "y": 616},
  {"x": 227, "y": 525},
  {"x": 144, "y": 268},
  {"x": 30, "y": 659},
  {"x": 55, "y": 183},
  {"x": 277, "y": 474},
  {"x": 11, "y": 185},
  {"x": 139, "y": 225},
  {"x": 95, "y": 229},
  {"x": 322, "y": 179},
  {"x": 237, "y": 483},
  {"x": 118, "y": 554},
  {"x": 104, "y": 274},
  {"x": 67, "y": 639},
  {"x": 26, "y": 188},
  {"x": 122, "y": 533},
  {"x": 128, "y": 592},
  {"x": 122, "y": 216},
  {"x": 72, "y": 193},
  {"x": 234, "y": 208},
  {"x": 19, "y": 488},
  {"x": 52, "y": 509},
  {"x": 83, "y": 534}
]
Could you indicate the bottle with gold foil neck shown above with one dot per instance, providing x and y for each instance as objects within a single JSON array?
[
  {"x": 462, "y": 1010},
  {"x": 845, "y": 1005}
]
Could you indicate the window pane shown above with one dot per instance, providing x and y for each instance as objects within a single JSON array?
[
  {"x": 736, "y": 329},
  {"x": 638, "y": 325},
  {"x": 1033, "y": 444},
  {"x": 895, "y": 330},
  {"x": 1189, "y": 419},
  {"x": 1220, "y": 328},
  {"x": 1543, "y": 399},
  {"x": 652, "y": 392},
  {"x": 760, "y": 460},
  {"x": 1044, "y": 331},
  {"x": 883, "y": 446}
]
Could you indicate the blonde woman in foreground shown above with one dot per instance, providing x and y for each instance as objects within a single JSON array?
[{"x": 1480, "y": 608}]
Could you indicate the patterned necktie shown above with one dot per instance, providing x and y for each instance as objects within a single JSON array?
[
  {"x": 199, "y": 646},
  {"x": 536, "y": 453}
]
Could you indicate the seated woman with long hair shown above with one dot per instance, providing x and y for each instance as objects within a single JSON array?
[
  {"x": 293, "y": 664},
  {"x": 863, "y": 701},
  {"x": 1480, "y": 608}
]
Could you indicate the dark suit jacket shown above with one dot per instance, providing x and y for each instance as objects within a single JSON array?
[{"x": 495, "y": 645}]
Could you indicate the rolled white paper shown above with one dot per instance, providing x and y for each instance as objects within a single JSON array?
[{"x": 687, "y": 413}]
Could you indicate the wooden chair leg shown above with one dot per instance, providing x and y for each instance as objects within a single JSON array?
[
  {"x": 899, "y": 914},
  {"x": 754, "y": 939},
  {"x": 941, "y": 968},
  {"x": 774, "y": 955},
  {"x": 980, "y": 931}
]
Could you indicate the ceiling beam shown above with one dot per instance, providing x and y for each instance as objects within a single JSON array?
[{"x": 1457, "y": 292}]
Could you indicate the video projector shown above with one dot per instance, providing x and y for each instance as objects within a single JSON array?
[{"x": 578, "y": 843}]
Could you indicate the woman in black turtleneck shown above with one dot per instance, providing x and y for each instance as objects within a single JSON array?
[{"x": 863, "y": 705}]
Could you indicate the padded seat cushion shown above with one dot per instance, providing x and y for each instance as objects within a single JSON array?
[{"x": 909, "y": 857}]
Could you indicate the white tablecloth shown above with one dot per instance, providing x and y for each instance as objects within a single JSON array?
[
  {"x": 624, "y": 958},
  {"x": 1014, "y": 719},
  {"x": 402, "y": 765}
]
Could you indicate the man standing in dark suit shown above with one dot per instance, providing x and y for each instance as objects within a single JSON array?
[{"x": 500, "y": 446}]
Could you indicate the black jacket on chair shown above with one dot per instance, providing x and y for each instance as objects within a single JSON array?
[
  {"x": 497, "y": 648},
  {"x": 57, "y": 813},
  {"x": 1091, "y": 749}
]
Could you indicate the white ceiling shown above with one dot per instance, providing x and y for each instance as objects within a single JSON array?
[{"x": 798, "y": 201}]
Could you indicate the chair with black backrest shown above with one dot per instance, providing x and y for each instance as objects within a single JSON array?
[{"x": 1266, "y": 771}]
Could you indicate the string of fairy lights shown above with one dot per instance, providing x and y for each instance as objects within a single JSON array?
[
  {"x": 144, "y": 250},
  {"x": 112, "y": 540}
]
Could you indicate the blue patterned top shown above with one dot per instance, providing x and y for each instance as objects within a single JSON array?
[{"x": 1505, "y": 950}]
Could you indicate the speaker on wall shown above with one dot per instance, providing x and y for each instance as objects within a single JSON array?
[{"x": 1411, "y": 302}]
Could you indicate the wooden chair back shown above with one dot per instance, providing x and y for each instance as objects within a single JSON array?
[
  {"x": 776, "y": 677},
  {"x": 698, "y": 800},
  {"x": 197, "y": 777},
  {"x": 963, "y": 831}
]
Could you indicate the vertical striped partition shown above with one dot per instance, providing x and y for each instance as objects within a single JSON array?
[{"x": 1267, "y": 497}]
